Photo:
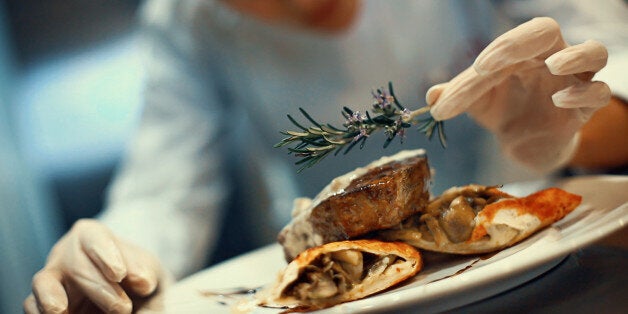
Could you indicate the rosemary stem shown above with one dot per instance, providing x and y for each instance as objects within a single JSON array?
[{"x": 414, "y": 113}]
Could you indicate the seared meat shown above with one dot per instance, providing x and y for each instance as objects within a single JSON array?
[
  {"x": 376, "y": 197},
  {"x": 380, "y": 199}
]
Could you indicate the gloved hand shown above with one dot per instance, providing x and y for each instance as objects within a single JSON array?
[
  {"x": 532, "y": 90},
  {"x": 90, "y": 270}
]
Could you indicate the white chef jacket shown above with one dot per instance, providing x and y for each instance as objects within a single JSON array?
[{"x": 202, "y": 169}]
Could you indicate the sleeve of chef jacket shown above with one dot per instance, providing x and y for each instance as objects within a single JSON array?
[
  {"x": 170, "y": 190},
  {"x": 604, "y": 21}
]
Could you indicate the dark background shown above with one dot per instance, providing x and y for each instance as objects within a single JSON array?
[{"x": 41, "y": 28}]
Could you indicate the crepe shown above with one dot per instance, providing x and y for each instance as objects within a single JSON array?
[
  {"x": 338, "y": 272},
  {"x": 479, "y": 219}
]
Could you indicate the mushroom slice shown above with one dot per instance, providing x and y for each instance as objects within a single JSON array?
[
  {"x": 478, "y": 219},
  {"x": 338, "y": 272}
]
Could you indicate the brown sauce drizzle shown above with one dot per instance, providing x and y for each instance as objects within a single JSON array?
[
  {"x": 483, "y": 257},
  {"x": 234, "y": 294},
  {"x": 460, "y": 271}
]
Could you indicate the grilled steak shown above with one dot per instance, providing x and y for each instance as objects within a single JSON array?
[{"x": 375, "y": 197}]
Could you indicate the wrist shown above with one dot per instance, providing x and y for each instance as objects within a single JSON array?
[{"x": 603, "y": 143}]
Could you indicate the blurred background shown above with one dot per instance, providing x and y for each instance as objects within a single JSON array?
[{"x": 70, "y": 77}]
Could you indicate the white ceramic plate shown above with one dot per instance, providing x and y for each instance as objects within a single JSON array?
[{"x": 445, "y": 282}]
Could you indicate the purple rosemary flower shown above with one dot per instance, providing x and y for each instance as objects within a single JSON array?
[
  {"x": 383, "y": 100},
  {"x": 354, "y": 119},
  {"x": 363, "y": 134}
]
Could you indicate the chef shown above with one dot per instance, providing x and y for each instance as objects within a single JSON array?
[{"x": 201, "y": 178}]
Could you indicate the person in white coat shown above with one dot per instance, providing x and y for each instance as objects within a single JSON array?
[{"x": 222, "y": 75}]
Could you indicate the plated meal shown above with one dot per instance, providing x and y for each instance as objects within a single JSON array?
[{"x": 365, "y": 231}]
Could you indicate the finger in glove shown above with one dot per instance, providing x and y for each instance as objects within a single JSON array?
[
  {"x": 30, "y": 305},
  {"x": 432, "y": 94},
  {"x": 48, "y": 293},
  {"x": 107, "y": 295},
  {"x": 142, "y": 271},
  {"x": 586, "y": 94},
  {"x": 590, "y": 56},
  {"x": 110, "y": 298},
  {"x": 464, "y": 91},
  {"x": 99, "y": 244},
  {"x": 538, "y": 37}
]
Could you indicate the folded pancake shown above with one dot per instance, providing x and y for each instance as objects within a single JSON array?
[
  {"x": 338, "y": 272},
  {"x": 378, "y": 196},
  {"x": 478, "y": 219}
]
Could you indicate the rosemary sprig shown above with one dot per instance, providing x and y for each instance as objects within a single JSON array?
[{"x": 315, "y": 142}]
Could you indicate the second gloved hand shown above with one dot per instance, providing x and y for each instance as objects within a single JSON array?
[
  {"x": 91, "y": 270},
  {"x": 532, "y": 90}
]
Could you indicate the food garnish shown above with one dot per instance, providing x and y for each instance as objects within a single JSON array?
[{"x": 315, "y": 142}]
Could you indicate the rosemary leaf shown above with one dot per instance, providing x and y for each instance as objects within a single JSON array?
[
  {"x": 387, "y": 141},
  {"x": 395, "y": 100},
  {"x": 362, "y": 142},
  {"x": 316, "y": 131},
  {"x": 307, "y": 141},
  {"x": 441, "y": 134},
  {"x": 297, "y": 134},
  {"x": 331, "y": 140},
  {"x": 331, "y": 129},
  {"x": 350, "y": 147},
  {"x": 296, "y": 123},
  {"x": 320, "y": 148},
  {"x": 307, "y": 116}
]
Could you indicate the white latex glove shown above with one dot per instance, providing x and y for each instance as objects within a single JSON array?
[
  {"x": 532, "y": 90},
  {"x": 90, "y": 270}
]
